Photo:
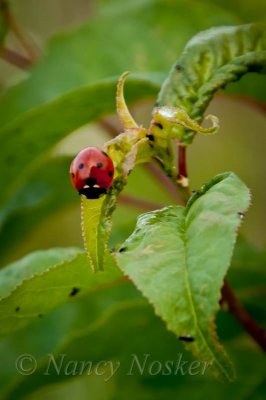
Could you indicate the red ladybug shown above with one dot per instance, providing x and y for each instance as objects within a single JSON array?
[{"x": 92, "y": 172}]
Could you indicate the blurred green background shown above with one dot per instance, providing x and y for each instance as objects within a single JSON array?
[{"x": 50, "y": 111}]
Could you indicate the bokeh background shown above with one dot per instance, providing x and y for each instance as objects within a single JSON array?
[{"x": 75, "y": 46}]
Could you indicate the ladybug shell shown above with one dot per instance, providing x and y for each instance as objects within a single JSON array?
[{"x": 91, "y": 167}]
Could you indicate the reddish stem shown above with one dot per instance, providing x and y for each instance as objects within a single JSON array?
[
  {"x": 27, "y": 44},
  {"x": 182, "y": 161},
  {"x": 166, "y": 182},
  {"x": 14, "y": 58},
  {"x": 182, "y": 177},
  {"x": 246, "y": 100},
  {"x": 109, "y": 127},
  {"x": 143, "y": 204},
  {"x": 242, "y": 316}
]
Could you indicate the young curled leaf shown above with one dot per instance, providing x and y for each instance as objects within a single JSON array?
[
  {"x": 174, "y": 123},
  {"x": 124, "y": 115},
  {"x": 210, "y": 61}
]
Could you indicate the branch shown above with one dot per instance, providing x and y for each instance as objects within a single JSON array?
[
  {"x": 251, "y": 102},
  {"x": 165, "y": 181},
  {"x": 182, "y": 177},
  {"x": 136, "y": 202},
  {"x": 182, "y": 161},
  {"x": 109, "y": 127},
  {"x": 15, "y": 58},
  {"x": 243, "y": 317},
  {"x": 27, "y": 44}
]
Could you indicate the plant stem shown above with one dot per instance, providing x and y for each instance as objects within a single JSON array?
[
  {"x": 254, "y": 104},
  {"x": 166, "y": 182},
  {"x": 182, "y": 178},
  {"x": 243, "y": 317},
  {"x": 182, "y": 161},
  {"x": 27, "y": 44},
  {"x": 143, "y": 204},
  {"x": 109, "y": 127},
  {"x": 15, "y": 58}
]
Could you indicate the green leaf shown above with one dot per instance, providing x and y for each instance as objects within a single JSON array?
[
  {"x": 46, "y": 191},
  {"x": 25, "y": 143},
  {"x": 140, "y": 50},
  {"x": 50, "y": 277},
  {"x": 96, "y": 228},
  {"x": 107, "y": 324},
  {"x": 210, "y": 61},
  {"x": 38, "y": 262},
  {"x": 111, "y": 331},
  {"x": 178, "y": 257},
  {"x": 89, "y": 314}
]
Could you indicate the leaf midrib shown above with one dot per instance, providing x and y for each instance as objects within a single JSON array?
[{"x": 192, "y": 303}]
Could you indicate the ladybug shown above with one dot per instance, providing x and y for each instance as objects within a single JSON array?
[{"x": 92, "y": 172}]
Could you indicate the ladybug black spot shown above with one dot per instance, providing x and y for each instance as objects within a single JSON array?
[
  {"x": 81, "y": 166},
  {"x": 17, "y": 309},
  {"x": 110, "y": 173},
  {"x": 99, "y": 165},
  {"x": 74, "y": 291},
  {"x": 91, "y": 181},
  {"x": 186, "y": 338}
]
